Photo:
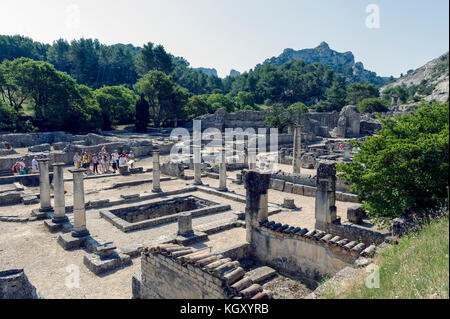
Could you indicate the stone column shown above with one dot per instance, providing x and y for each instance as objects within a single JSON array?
[
  {"x": 79, "y": 208},
  {"x": 58, "y": 185},
  {"x": 156, "y": 172},
  {"x": 251, "y": 157},
  {"x": 197, "y": 166},
  {"x": 325, "y": 208},
  {"x": 256, "y": 208},
  {"x": 185, "y": 225},
  {"x": 223, "y": 171},
  {"x": 44, "y": 185},
  {"x": 297, "y": 152}
]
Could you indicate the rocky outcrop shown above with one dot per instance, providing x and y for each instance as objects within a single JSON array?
[
  {"x": 343, "y": 63},
  {"x": 207, "y": 71},
  {"x": 434, "y": 76}
]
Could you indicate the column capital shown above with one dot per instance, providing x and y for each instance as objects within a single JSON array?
[
  {"x": 59, "y": 164},
  {"x": 255, "y": 182},
  {"x": 43, "y": 160},
  {"x": 77, "y": 170}
]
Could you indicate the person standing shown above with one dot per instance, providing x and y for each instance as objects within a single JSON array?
[
  {"x": 131, "y": 159},
  {"x": 95, "y": 164},
  {"x": 76, "y": 160},
  {"x": 16, "y": 168},
  {"x": 34, "y": 166},
  {"x": 115, "y": 160},
  {"x": 22, "y": 170}
]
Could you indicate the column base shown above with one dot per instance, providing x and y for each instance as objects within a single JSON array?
[
  {"x": 198, "y": 183},
  {"x": 223, "y": 189},
  {"x": 80, "y": 233},
  {"x": 45, "y": 209},
  {"x": 60, "y": 219},
  {"x": 157, "y": 190}
]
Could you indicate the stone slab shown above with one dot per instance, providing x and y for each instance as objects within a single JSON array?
[
  {"x": 99, "y": 266},
  {"x": 260, "y": 274},
  {"x": 67, "y": 241}
]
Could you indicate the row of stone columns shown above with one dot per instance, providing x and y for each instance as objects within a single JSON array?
[{"x": 59, "y": 216}]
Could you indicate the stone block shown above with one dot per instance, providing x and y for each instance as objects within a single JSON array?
[
  {"x": 278, "y": 184},
  {"x": 355, "y": 214},
  {"x": 67, "y": 241},
  {"x": 309, "y": 191},
  {"x": 297, "y": 189},
  {"x": 99, "y": 265},
  {"x": 10, "y": 198},
  {"x": 289, "y": 203},
  {"x": 288, "y": 187}
]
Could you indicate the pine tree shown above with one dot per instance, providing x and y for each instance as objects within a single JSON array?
[{"x": 142, "y": 114}]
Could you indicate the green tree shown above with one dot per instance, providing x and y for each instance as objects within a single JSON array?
[
  {"x": 164, "y": 97},
  {"x": 8, "y": 117},
  {"x": 356, "y": 92},
  {"x": 197, "y": 105},
  {"x": 59, "y": 102},
  {"x": 118, "y": 105},
  {"x": 294, "y": 112},
  {"x": 217, "y": 101},
  {"x": 142, "y": 114},
  {"x": 403, "y": 169},
  {"x": 372, "y": 105},
  {"x": 245, "y": 99},
  {"x": 277, "y": 117},
  {"x": 153, "y": 57},
  {"x": 402, "y": 93}
]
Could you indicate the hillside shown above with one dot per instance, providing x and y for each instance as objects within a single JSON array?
[
  {"x": 343, "y": 63},
  {"x": 433, "y": 78},
  {"x": 418, "y": 267}
]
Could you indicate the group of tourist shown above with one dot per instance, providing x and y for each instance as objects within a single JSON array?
[
  {"x": 103, "y": 161},
  {"x": 19, "y": 168}
]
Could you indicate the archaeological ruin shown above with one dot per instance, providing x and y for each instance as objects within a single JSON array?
[{"x": 216, "y": 223}]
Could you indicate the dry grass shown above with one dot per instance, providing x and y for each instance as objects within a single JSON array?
[{"x": 417, "y": 268}]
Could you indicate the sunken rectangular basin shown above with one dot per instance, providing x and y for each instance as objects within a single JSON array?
[{"x": 165, "y": 211}]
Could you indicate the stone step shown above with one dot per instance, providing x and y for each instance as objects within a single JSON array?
[{"x": 260, "y": 274}]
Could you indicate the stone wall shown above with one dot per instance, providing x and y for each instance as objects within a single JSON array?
[
  {"x": 178, "y": 272},
  {"x": 304, "y": 254},
  {"x": 353, "y": 232},
  {"x": 317, "y": 123}
]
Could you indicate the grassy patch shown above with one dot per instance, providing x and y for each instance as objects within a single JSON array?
[{"x": 416, "y": 268}]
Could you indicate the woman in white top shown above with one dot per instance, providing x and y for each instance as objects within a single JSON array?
[{"x": 76, "y": 159}]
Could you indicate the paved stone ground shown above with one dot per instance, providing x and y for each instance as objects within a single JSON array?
[{"x": 32, "y": 247}]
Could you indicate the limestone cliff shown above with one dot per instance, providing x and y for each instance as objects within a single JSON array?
[
  {"x": 207, "y": 71},
  {"x": 433, "y": 77},
  {"x": 343, "y": 63}
]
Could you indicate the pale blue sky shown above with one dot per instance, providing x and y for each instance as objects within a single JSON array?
[{"x": 226, "y": 34}]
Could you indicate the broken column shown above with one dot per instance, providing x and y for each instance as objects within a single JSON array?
[
  {"x": 223, "y": 171},
  {"x": 197, "y": 166},
  {"x": 325, "y": 208},
  {"x": 60, "y": 203},
  {"x": 185, "y": 225},
  {"x": 156, "y": 172},
  {"x": 79, "y": 208},
  {"x": 256, "y": 208},
  {"x": 44, "y": 185},
  {"x": 297, "y": 152}
]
